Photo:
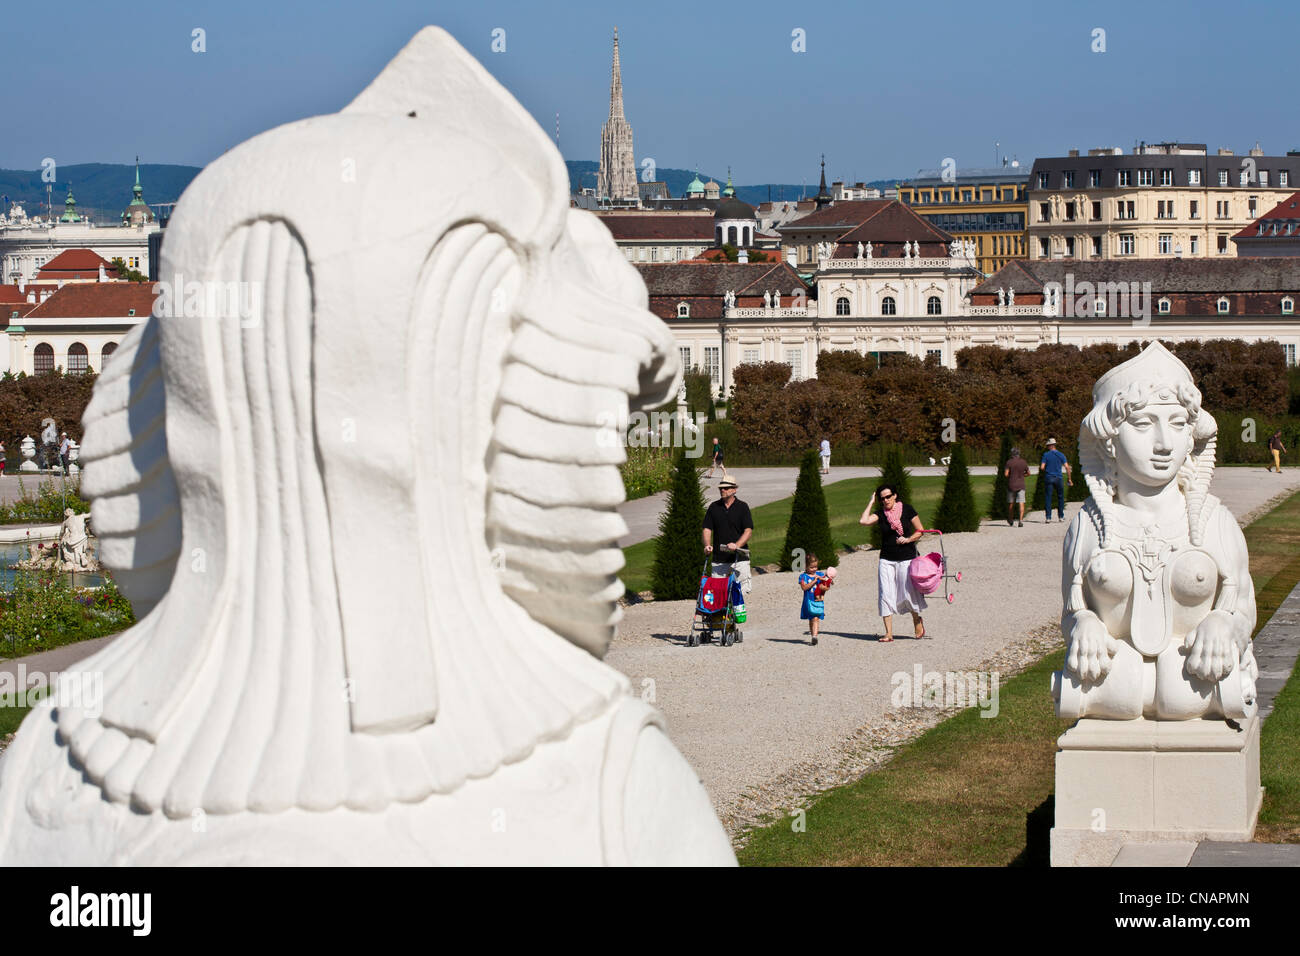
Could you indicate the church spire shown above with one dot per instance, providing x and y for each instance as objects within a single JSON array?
[
  {"x": 617, "y": 176},
  {"x": 823, "y": 198},
  {"x": 616, "y": 84}
]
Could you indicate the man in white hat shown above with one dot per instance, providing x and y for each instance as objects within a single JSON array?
[
  {"x": 1055, "y": 466},
  {"x": 729, "y": 521}
]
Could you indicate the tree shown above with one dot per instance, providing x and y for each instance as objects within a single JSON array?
[
  {"x": 810, "y": 523},
  {"x": 1079, "y": 490},
  {"x": 679, "y": 547},
  {"x": 126, "y": 272},
  {"x": 892, "y": 473},
  {"x": 998, "y": 504},
  {"x": 957, "y": 511}
]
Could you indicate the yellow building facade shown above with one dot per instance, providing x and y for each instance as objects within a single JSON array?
[{"x": 985, "y": 206}]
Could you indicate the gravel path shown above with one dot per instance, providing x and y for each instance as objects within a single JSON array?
[{"x": 772, "y": 720}]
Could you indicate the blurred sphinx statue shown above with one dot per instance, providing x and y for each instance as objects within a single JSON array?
[
  {"x": 1158, "y": 603},
  {"x": 291, "y": 693}
]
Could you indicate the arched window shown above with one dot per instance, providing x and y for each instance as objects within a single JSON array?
[
  {"x": 717, "y": 233},
  {"x": 1223, "y": 305},
  {"x": 1099, "y": 306},
  {"x": 683, "y": 310},
  {"x": 933, "y": 306},
  {"x": 43, "y": 360},
  {"x": 1163, "y": 306},
  {"x": 731, "y": 235},
  {"x": 841, "y": 306},
  {"x": 105, "y": 352},
  {"x": 1288, "y": 305},
  {"x": 78, "y": 359},
  {"x": 887, "y": 306}
]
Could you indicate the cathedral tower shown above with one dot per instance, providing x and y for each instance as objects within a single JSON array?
[{"x": 617, "y": 179}]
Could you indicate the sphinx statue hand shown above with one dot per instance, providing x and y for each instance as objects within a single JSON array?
[
  {"x": 1091, "y": 648},
  {"x": 1211, "y": 644}
]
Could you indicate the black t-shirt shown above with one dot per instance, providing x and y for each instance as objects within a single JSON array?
[
  {"x": 727, "y": 525},
  {"x": 889, "y": 549}
]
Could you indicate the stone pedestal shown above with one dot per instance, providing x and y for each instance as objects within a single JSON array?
[
  {"x": 1147, "y": 781},
  {"x": 28, "y": 448}
]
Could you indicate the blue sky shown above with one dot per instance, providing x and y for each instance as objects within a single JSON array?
[{"x": 882, "y": 89}]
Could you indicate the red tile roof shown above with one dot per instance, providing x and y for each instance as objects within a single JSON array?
[
  {"x": 83, "y": 300},
  {"x": 11, "y": 293},
  {"x": 1287, "y": 209},
  {"x": 847, "y": 214},
  {"x": 635, "y": 226},
  {"x": 75, "y": 264}
]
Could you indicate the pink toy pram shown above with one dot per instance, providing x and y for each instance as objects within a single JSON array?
[{"x": 928, "y": 570}]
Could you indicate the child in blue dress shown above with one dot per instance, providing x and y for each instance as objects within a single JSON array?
[{"x": 814, "y": 584}]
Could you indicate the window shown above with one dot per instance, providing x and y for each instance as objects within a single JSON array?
[
  {"x": 1094, "y": 177},
  {"x": 1244, "y": 179},
  {"x": 654, "y": 253},
  {"x": 711, "y": 353},
  {"x": 1263, "y": 178},
  {"x": 1163, "y": 306},
  {"x": 1126, "y": 244},
  {"x": 78, "y": 359},
  {"x": 841, "y": 306},
  {"x": 1098, "y": 305},
  {"x": 1289, "y": 348},
  {"x": 794, "y": 359},
  {"x": 1288, "y": 305},
  {"x": 1195, "y": 242},
  {"x": 683, "y": 310},
  {"x": 685, "y": 352},
  {"x": 1222, "y": 305},
  {"x": 1044, "y": 252},
  {"x": 887, "y": 306},
  {"x": 1195, "y": 212},
  {"x": 933, "y": 306},
  {"x": 1069, "y": 212},
  {"x": 1223, "y": 242},
  {"x": 1283, "y": 179},
  {"x": 986, "y": 195},
  {"x": 1125, "y": 209},
  {"x": 923, "y": 197},
  {"x": 938, "y": 353},
  {"x": 965, "y": 195},
  {"x": 1193, "y": 177},
  {"x": 749, "y": 356},
  {"x": 43, "y": 359},
  {"x": 1221, "y": 209},
  {"x": 1067, "y": 179},
  {"x": 1008, "y": 195},
  {"x": 1044, "y": 212},
  {"x": 1096, "y": 209},
  {"x": 1165, "y": 243},
  {"x": 1096, "y": 246},
  {"x": 1042, "y": 180},
  {"x": 1069, "y": 247},
  {"x": 1146, "y": 177},
  {"x": 105, "y": 352},
  {"x": 1252, "y": 207},
  {"x": 1125, "y": 177}
]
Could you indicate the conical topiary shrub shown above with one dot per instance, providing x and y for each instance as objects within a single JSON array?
[
  {"x": 998, "y": 503},
  {"x": 892, "y": 473},
  {"x": 679, "y": 548},
  {"x": 957, "y": 511},
  {"x": 1039, "y": 500},
  {"x": 810, "y": 523},
  {"x": 1079, "y": 490}
]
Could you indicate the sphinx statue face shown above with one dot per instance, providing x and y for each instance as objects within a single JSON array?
[{"x": 1153, "y": 442}]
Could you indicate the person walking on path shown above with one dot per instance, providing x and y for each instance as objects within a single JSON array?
[
  {"x": 826, "y": 456},
  {"x": 65, "y": 447},
  {"x": 2, "y": 459},
  {"x": 729, "y": 521},
  {"x": 1055, "y": 466},
  {"x": 717, "y": 460},
  {"x": 1278, "y": 449},
  {"x": 1015, "y": 472},
  {"x": 897, "y": 551},
  {"x": 814, "y": 584}
]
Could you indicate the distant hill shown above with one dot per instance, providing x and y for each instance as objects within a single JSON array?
[
  {"x": 583, "y": 173},
  {"x": 102, "y": 190}
]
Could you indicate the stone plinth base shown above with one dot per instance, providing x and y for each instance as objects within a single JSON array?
[
  {"x": 28, "y": 466},
  {"x": 1148, "y": 781}
]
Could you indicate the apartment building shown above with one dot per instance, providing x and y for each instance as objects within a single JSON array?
[
  {"x": 1163, "y": 200},
  {"x": 985, "y": 206}
]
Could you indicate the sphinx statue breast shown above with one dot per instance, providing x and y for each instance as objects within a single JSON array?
[{"x": 380, "y": 641}]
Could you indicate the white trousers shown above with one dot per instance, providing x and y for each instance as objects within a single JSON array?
[{"x": 896, "y": 591}]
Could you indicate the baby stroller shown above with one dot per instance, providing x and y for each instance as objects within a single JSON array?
[
  {"x": 719, "y": 609},
  {"x": 928, "y": 570}
]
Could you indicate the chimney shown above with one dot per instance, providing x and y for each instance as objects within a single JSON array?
[
  {"x": 792, "y": 257},
  {"x": 743, "y": 256},
  {"x": 1224, "y": 152},
  {"x": 22, "y": 284},
  {"x": 1257, "y": 151},
  {"x": 1073, "y": 154},
  {"x": 31, "y": 297}
]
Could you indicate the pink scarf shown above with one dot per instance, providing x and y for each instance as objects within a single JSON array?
[{"x": 894, "y": 516}]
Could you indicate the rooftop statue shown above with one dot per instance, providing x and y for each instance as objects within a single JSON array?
[
  {"x": 382, "y": 645},
  {"x": 1158, "y": 603}
]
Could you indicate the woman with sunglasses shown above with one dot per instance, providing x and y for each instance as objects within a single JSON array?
[{"x": 897, "y": 549}]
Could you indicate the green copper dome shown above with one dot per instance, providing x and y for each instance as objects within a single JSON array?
[
  {"x": 695, "y": 186},
  {"x": 70, "y": 208}
]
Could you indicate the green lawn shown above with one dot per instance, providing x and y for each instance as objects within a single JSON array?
[
  {"x": 972, "y": 791},
  {"x": 845, "y": 501}
]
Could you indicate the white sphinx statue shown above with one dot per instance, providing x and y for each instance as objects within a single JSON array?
[
  {"x": 293, "y": 692},
  {"x": 1158, "y": 603},
  {"x": 1158, "y": 614}
]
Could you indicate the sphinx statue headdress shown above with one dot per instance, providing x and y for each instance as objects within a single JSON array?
[
  {"x": 368, "y": 526},
  {"x": 1156, "y": 374}
]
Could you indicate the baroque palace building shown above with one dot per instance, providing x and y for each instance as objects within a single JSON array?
[
  {"x": 985, "y": 206},
  {"x": 616, "y": 179},
  {"x": 1164, "y": 200}
]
